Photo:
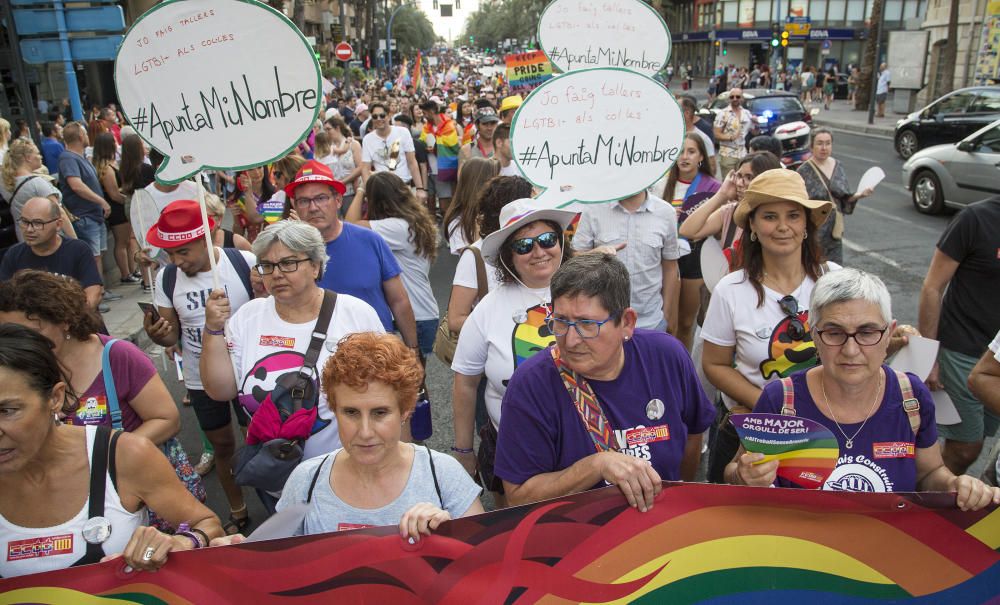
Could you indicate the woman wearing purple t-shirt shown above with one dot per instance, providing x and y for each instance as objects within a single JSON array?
[{"x": 887, "y": 443}]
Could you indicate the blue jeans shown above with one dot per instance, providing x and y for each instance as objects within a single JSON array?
[
  {"x": 92, "y": 232},
  {"x": 426, "y": 330}
]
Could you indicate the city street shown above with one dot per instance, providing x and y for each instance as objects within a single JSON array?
[{"x": 885, "y": 236}]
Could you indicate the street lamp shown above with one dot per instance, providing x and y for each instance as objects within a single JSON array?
[{"x": 388, "y": 34}]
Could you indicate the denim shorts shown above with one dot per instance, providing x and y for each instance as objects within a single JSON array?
[
  {"x": 92, "y": 232},
  {"x": 426, "y": 331}
]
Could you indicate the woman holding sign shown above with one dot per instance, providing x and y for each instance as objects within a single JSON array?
[
  {"x": 759, "y": 315},
  {"x": 883, "y": 420}
]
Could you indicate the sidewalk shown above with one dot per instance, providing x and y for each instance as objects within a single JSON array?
[
  {"x": 124, "y": 320},
  {"x": 840, "y": 116}
]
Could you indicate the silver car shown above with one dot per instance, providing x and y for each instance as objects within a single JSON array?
[{"x": 956, "y": 174}]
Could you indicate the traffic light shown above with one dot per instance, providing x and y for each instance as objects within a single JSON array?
[
  {"x": 472, "y": 39},
  {"x": 725, "y": 51},
  {"x": 775, "y": 28},
  {"x": 784, "y": 38}
]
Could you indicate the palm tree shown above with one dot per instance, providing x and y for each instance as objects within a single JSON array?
[{"x": 868, "y": 60}]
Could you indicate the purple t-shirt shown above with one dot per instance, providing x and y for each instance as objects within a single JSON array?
[
  {"x": 132, "y": 370},
  {"x": 542, "y": 432},
  {"x": 883, "y": 456}
]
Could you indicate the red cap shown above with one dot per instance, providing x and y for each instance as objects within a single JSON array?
[
  {"x": 314, "y": 172},
  {"x": 179, "y": 224}
]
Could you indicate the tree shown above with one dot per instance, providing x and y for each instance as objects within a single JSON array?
[
  {"x": 868, "y": 60},
  {"x": 950, "y": 56},
  {"x": 412, "y": 30}
]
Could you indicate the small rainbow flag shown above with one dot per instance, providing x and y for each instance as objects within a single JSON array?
[
  {"x": 417, "y": 79},
  {"x": 806, "y": 449}
]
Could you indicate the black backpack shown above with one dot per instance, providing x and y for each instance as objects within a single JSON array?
[{"x": 239, "y": 263}]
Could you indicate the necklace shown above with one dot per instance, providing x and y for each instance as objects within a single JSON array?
[{"x": 849, "y": 441}]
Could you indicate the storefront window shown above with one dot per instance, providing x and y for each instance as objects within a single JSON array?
[
  {"x": 729, "y": 10},
  {"x": 817, "y": 11},
  {"x": 765, "y": 15},
  {"x": 855, "y": 11},
  {"x": 893, "y": 10},
  {"x": 835, "y": 13},
  {"x": 746, "y": 13},
  {"x": 910, "y": 9}
]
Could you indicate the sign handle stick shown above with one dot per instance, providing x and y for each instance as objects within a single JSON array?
[
  {"x": 147, "y": 272},
  {"x": 208, "y": 233}
]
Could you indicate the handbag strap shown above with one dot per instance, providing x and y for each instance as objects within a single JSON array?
[
  {"x": 587, "y": 405},
  {"x": 312, "y": 353},
  {"x": 482, "y": 287},
  {"x": 434, "y": 476},
  {"x": 823, "y": 179},
  {"x": 13, "y": 195},
  {"x": 110, "y": 392}
]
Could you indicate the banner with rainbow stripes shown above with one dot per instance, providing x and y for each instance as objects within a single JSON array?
[{"x": 698, "y": 544}]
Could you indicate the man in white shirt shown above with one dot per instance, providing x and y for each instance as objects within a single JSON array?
[
  {"x": 502, "y": 151},
  {"x": 183, "y": 287},
  {"x": 882, "y": 88},
  {"x": 389, "y": 147}
]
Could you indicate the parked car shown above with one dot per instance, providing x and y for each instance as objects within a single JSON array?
[
  {"x": 955, "y": 174},
  {"x": 949, "y": 119},
  {"x": 776, "y": 113}
]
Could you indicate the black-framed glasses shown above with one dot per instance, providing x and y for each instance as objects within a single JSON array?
[
  {"x": 865, "y": 337},
  {"x": 379, "y": 116},
  {"x": 734, "y": 97},
  {"x": 585, "y": 328},
  {"x": 525, "y": 245},
  {"x": 286, "y": 265},
  {"x": 320, "y": 200},
  {"x": 790, "y": 307},
  {"x": 36, "y": 224}
]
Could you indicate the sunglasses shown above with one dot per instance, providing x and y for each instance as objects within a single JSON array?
[
  {"x": 790, "y": 307},
  {"x": 731, "y": 97},
  {"x": 525, "y": 245},
  {"x": 378, "y": 116}
]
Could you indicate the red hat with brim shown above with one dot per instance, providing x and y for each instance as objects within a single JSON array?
[
  {"x": 179, "y": 224},
  {"x": 314, "y": 172}
]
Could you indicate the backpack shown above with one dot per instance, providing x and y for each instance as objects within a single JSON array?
[
  {"x": 911, "y": 405},
  {"x": 239, "y": 263}
]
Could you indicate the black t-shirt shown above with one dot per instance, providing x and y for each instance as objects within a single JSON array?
[
  {"x": 73, "y": 259},
  {"x": 970, "y": 312}
]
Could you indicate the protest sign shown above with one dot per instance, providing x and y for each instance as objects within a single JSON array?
[
  {"x": 806, "y": 450},
  {"x": 596, "y": 135},
  {"x": 699, "y": 543},
  {"x": 525, "y": 71},
  {"x": 579, "y": 34},
  {"x": 217, "y": 84}
]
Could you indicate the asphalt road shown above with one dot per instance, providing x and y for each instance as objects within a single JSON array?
[{"x": 885, "y": 236}]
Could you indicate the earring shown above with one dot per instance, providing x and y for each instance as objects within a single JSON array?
[
  {"x": 67, "y": 336},
  {"x": 805, "y": 234},
  {"x": 627, "y": 338},
  {"x": 753, "y": 236}
]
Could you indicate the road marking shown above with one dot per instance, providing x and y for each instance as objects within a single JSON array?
[
  {"x": 897, "y": 219},
  {"x": 856, "y": 133},
  {"x": 879, "y": 257}
]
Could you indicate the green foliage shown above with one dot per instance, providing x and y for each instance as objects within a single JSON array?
[
  {"x": 335, "y": 73},
  {"x": 497, "y": 21},
  {"x": 412, "y": 30},
  {"x": 358, "y": 74}
]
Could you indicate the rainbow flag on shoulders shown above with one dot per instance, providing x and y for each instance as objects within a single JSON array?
[{"x": 446, "y": 147}]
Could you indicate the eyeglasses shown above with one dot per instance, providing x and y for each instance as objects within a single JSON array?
[
  {"x": 287, "y": 265},
  {"x": 319, "y": 200},
  {"x": 731, "y": 97},
  {"x": 865, "y": 337},
  {"x": 585, "y": 328},
  {"x": 378, "y": 116},
  {"x": 34, "y": 225},
  {"x": 525, "y": 245},
  {"x": 790, "y": 307},
  {"x": 277, "y": 174}
]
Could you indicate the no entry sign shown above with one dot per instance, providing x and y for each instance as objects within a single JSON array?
[{"x": 344, "y": 52}]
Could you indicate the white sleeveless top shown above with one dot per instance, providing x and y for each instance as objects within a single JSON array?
[{"x": 28, "y": 550}]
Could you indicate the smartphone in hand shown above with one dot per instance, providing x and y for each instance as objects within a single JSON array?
[{"x": 150, "y": 308}]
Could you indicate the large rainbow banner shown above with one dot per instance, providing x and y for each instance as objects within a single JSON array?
[{"x": 699, "y": 544}]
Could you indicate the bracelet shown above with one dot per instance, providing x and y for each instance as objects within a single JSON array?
[
  {"x": 215, "y": 332},
  {"x": 184, "y": 530},
  {"x": 461, "y": 450},
  {"x": 202, "y": 534}
]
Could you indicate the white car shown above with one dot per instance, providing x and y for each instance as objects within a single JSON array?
[{"x": 955, "y": 174}]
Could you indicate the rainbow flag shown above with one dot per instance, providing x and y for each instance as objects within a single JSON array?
[
  {"x": 417, "y": 79},
  {"x": 446, "y": 147}
]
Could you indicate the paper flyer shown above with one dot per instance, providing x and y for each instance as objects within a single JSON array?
[{"x": 806, "y": 449}]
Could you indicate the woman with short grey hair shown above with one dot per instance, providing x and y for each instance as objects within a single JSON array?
[
  {"x": 269, "y": 336},
  {"x": 883, "y": 419}
]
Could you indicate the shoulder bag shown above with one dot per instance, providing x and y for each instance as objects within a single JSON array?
[{"x": 445, "y": 341}]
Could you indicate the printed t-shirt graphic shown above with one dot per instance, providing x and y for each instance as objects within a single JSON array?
[{"x": 787, "y": 356}]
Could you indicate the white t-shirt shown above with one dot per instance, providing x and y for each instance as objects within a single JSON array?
[
  {"x": 764, "y": 352},
  {"x": 510, "y": 170},
  {"x": 416, "y": 268},
  {"x": 465, "y": 271},
  {"x": 264, "y": 347},
  {"x": 190, "y": 294},
  {"x": 505, "y": 329},
  {"x": 456, "y": 240},
  {"x": 377, "y": 151}
]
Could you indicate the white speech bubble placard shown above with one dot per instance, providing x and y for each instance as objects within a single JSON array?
[
  {"x": 225, "y": 84},
  {"x": 596, "y": 135},
  {"x": 580, "y": 34}
]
